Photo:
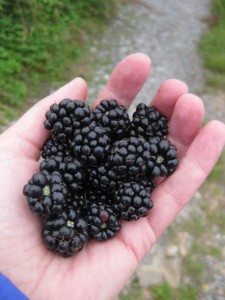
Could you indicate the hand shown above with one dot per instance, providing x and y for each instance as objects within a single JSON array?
[{"x": 101, "y": 269}]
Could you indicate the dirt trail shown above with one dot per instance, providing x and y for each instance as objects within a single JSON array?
[{"x": 168, "y": 31}]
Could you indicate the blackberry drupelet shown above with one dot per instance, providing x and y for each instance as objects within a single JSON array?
[
  {"x": 46, "y": 193},
  {"x": 71, "y": 169},
  {"x": 103, "y": 222},
  {"x": 66, "y": 233},
  {"x": 53, "y": 148},
  {"x": 148, "y": 122},
  {"x": 164, "y": 159},
  {"x": 91, "y": 144},
  {"x": 63, "y": 118},
  {"x": 113, "y": 117},
  {"x": 130, "y": 157},
  {"x": 133, "y": 201},
  {"x": 103, "y": 177}
]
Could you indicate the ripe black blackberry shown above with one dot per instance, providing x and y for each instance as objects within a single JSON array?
[
  {"x": 63, "y": 118},
  {"x": 46, "y": 193},
  {"x": 77, "y": 201},
  {"x": 66, "y": 233},
  {"x": 147, "y": 183},
  {"x": 103, "y": 177},
  {"x": 130, "y": 157},
  {"x": 133, "y": 201},
  {"x": 164, "y": 159},
  {"x": 53, "y": 148},
  {"x": 94, "y": 196},
  {"x": 113, "y": 117},
  {"x": 91, "y": 144},
  {"x": 71, "y": 170},
  {"x": 103, "y": 222},
  {"x": 148, "y": 122}
]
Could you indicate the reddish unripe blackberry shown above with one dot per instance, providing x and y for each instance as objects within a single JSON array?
[
  {"x": 133, "y": 201},
  {"x": 148, "y": 122},
  {"x": 66, "y": 117},
  {"x": 113, "y": 117},
  {"x": 103, "y": 222},
  {"x": 66, "y": 233},
  {"x": 46, "y": 193},
  {"x": 91, "y": 144}
]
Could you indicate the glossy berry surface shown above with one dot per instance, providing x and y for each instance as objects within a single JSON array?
[
  {"x": 69, "y": 115},
  {"x": 66, "y": 233},
  {"x": 113, "y": 117},
  {"x": 133, "y": 201},
  {"x": 148, "y": 122},
  {"x": 91, "y": 144}
]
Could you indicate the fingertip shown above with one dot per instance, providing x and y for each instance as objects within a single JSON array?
[
  {"x": 168, "y": 94},
  {"x": 218, "y": 130},
  {"x": 75, "y": 89},
  {"x": 127, "y": 79},
  {"x": 186, "y": 120}
]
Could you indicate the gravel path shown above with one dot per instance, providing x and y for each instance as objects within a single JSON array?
[{"x": 168, "y": 31}]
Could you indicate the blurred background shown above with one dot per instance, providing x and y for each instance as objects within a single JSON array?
[{"x": 45, "y": 43}]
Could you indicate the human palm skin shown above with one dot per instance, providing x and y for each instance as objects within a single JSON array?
[{"x": 100, "y": 270}]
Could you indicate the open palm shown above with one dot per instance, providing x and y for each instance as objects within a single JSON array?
[{"x": 100, "y": 270}]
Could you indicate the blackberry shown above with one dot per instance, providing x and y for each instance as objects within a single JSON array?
[
  {"x": 103, "y": 222},
  {"x": 91, "y": 144},
  {"x": 164, "y": 159},
  {"x": 78, "y": 202},
  {"x": 97, "y": 196},
  {"x": 66, "y": 233},
  {"x": 130, "y": 157},
  {"x": 103, "y": 177},
  {"x": 63, "y": 118},
  {"x": 94, "y": 196},
  {"x": 133, "y": 201},
  {"x": 53, "y": 148},
  {"x": 71, "y": 170},
  {"x": 46, "y": 193},
  {"x": 113, "y": 117},
  {"x": 147, "y": 183},
  {"x": 148, "y": 122}
]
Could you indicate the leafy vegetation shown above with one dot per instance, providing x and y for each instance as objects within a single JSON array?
[
  {"x": 213, "y": 44},
  {"x": 39, "y": 40},
  {"x": 160, "y": 292}
]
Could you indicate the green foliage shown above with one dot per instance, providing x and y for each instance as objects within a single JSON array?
[
  {"x": 40, "y": 38},
  {"x": 213, "y": 44},
  {"x": 162, "y": 292},
  {"x": 166, "y": 292}
]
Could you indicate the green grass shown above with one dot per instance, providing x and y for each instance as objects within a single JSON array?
[
  {"x": 40, "y": 41},
  {"x": 213, "y": 44},
  {"x": 162, "y": 291},
  {"x": 182, "y": 292}
]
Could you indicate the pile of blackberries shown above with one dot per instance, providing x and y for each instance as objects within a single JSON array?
[{"x": 97, "y": 168}]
